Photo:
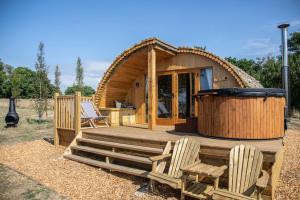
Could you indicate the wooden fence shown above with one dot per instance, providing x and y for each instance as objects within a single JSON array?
[{"x": 67, "y": 112}]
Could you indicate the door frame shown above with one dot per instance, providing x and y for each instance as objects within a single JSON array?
[
  {"x": 165, "y": 121},
  {"x": 174, "y": 120}
]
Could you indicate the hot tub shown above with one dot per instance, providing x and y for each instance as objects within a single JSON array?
[{"x": 241, "y": 113}]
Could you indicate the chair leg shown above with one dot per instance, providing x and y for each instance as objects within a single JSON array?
[{"x": 152, "y": 185}]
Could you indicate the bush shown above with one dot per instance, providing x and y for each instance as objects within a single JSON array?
[{"x": 85, "y": 91}]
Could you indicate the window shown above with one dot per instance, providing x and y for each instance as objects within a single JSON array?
[{"x": 206, "y": 79}]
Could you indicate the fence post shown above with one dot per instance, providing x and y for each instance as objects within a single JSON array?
[
  {"x": 56, "y": 137},
  {"x": 77, "y": 112}
]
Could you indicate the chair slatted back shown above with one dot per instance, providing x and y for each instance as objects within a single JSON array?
[
  {"x": 245, "y": 165},
  {"x": 185, "y": 152},
  {"x": 88, "y": 109}
]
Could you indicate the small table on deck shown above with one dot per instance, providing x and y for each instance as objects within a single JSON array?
[{"x": 196, "y": 189}]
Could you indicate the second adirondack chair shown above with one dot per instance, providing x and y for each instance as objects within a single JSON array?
[
  {"x": 185, "y": 152},
  {"x": 245, "y": 175}
]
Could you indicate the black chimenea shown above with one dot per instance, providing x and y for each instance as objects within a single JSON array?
[{"x": 12, "y": 117}]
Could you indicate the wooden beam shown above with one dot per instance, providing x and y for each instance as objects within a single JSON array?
[
  {"x": 151, "y": 87},
  {"x": 165, "y": 51},
  {"x": 77, "y": 112}
]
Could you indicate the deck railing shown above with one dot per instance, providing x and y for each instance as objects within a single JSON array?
[{"x": 67, "y": 112}]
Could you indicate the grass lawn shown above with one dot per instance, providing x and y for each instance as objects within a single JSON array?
[{"x": 27, "y": 129}]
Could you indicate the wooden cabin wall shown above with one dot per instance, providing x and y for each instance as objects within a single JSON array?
[
  {"x": 136, "y": 96},
  {"x": 122, "y": 85},
  {"x": 184, "y": 61}
]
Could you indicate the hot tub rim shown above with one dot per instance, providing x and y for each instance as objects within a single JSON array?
[{"x": 248, "y": 92}]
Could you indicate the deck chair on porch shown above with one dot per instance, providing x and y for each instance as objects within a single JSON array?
[
  {"x": 245, "y": 175},
  {"x": 185, "y": 153},
  {"x": 89, "y": 114}
]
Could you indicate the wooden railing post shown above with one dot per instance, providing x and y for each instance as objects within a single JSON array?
[
  {"x": 77, "y": 112},
  {"x": 56, "y": 136}
]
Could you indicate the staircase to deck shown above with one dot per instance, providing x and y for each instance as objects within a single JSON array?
[{"x": 116, "y": 153}]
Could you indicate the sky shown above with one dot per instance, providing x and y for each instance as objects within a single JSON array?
[{"x": 98, "y": 31}]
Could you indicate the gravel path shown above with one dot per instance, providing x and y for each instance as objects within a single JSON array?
[
  {"x": 289, "y": 184},
  {"x": 42, "y": 161},
  {"x": 18, "y": 186}
]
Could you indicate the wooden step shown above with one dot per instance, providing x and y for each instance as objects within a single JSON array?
[
  {"x": 122, "y": 146},
  {"x": 112, "y": 154},
  {"x": 100, "y": 164}
]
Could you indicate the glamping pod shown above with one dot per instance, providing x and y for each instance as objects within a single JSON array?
[
  {"x": 156, "y": 83},
  {"x": 242, "y": 113}
]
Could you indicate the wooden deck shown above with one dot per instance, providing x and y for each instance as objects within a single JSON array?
[
  {"x": 167, "y": 133},
  {"x": 136, "y": 143}
]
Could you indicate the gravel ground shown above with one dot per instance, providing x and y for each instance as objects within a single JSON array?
[
  {"x": 42, "y": 161},
  {"x": 18, "y": 186},
  {"x": 289, "y": 184},
  {"x": 22, "y": 150}
]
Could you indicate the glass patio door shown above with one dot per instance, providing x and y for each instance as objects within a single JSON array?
[
  {"x": 175, "y": 100},
  {"x": 183, "y": 101},
  {"x": 165, "y": 98}
]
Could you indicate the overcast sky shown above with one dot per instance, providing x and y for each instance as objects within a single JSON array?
[{"x": 98, "y": 31}]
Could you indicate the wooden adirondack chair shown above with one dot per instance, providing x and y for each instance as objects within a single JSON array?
[
  {"x": 245, "y": 174},
  {"x": 185, "y": 153}
]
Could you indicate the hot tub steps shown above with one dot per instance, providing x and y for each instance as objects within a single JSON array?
[{"x": 100, "y": 164}]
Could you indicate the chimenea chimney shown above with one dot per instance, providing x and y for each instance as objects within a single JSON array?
[{"x": 285, "y": 67}]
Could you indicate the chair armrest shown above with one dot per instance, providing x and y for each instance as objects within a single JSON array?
[
  {"x": 219, "y": 172},
  {"x": 190, "y": 165},
  {"x": 159, "y": 157},
  {"x": 262, "y": 181}
]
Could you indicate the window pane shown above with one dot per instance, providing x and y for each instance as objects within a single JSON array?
[
  {"x": 183, "y": 95},
  {"x": 206, "y": 79},
  {"x": 192, "y": 93},
  {"x": 164, "y": 104}
]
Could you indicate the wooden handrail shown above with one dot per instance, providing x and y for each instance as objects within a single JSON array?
[{"x": 67, "y": 113}]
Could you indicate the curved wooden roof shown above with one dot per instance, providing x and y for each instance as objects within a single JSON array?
[{"x": 243, "y": 79}]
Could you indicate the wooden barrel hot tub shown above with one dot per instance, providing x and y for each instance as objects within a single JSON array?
[{"x": 241, "y": 113}]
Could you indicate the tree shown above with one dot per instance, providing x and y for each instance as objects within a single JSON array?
[
  {"x": 8, "y": 70},
  {"x": 57, "y": 79},
  {"x": 294, "y": 43},
  {"x": 2, "y": 78},
  {"x": 5, "y": 80},
  {"x": 86, "y": 90},
  {"x": 16, "y": 85},
  {"x": 248, "y": 65},
  {"x": 70, "y": 90},
  {"x": 79, "y": 75},
  {"x": 294, "y": 64},
  {"x": 42, "y": 83},
  {"x": 270, "y": 75},
  {"x": 27, "y": 79}
]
